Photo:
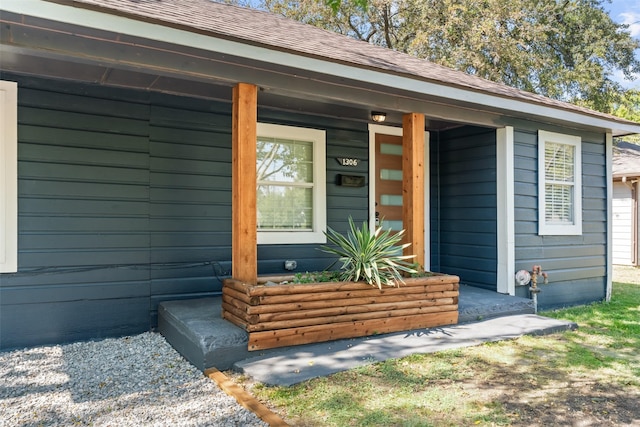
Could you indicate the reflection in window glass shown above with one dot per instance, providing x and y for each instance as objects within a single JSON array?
[{"x": 285, "y": 184}]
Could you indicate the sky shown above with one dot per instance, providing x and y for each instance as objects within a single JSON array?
[{"x": 627, "y": 12}]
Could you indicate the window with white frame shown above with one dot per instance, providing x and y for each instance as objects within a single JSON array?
[
  {"x": 291, "y": 188},
  {"x": 8, "y": 177},
  {"x": 559, "y": 184}
]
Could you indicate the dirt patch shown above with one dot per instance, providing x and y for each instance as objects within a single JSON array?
[
  {"x": 567, "y": 402},
  {"x": 626, "y": 274}
]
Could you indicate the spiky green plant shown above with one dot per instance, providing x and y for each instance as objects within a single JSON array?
[{"x": 374, "y": 257}]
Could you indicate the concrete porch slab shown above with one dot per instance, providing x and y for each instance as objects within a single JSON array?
[
  {"x": 476, "y": 304},
  {"x": 195, "y": 328}
]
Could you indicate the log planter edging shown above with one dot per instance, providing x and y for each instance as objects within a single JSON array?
[{"x": 292, "y": 314}]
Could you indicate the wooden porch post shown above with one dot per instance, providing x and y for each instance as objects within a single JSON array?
[
  {"x": 413, "y": 184},
  {"x": 244, "y": 241}
]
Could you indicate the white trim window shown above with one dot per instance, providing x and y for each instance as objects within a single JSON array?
[
  {"x": 291, "y": 187},
  {"x": 8, "y": 177},
  {"x": 559, "y": 184}
]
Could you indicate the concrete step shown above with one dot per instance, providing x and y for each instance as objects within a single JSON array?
[{"x": 196, "y": 329}]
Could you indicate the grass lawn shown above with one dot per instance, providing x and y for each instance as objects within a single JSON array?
[{"x": 587, "y": 377}]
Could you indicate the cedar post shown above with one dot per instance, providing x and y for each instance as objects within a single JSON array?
[
  {"x": 413, "y": 184},
  {"x": 244, "y": 241}
]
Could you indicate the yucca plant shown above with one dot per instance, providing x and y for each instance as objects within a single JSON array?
[{"x": 374, "y": 257}]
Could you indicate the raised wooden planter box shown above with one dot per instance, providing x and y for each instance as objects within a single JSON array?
[{"x": 288, "y": 314}]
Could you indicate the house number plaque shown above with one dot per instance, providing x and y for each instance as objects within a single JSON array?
[{"x": 347, "y": 161}]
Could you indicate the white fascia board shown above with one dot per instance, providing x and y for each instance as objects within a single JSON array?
[{"x": 107, "y": 22}]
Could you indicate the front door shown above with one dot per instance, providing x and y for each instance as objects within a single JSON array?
[{"x": 388, "y": 181}]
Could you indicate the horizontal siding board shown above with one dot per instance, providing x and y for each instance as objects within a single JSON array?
[
  {"x": 69, "y": 321},
  {"x": 525, "y": 215},
  {"x": 91, "y": 190},
  {"x": 539, "y": 252},
  {"x": 81, "y": 103},
  {"x": 42, "y": 137},
  {"x": 191, "y": 119},
  {"x": 186, "y": 285},
  {"x": 82, "y": 207},
  {"x": 166, "y": 138},
  {"x": 559, "y": 277},
  {"x": 347, "y": 200},
  {"x": 40, "y": 278},
  {"x": 82, "y": 156},
  {"x": 465, "y": 201},
  {"x": 191, "y": 225},
  {"x": 163, "y": 196},
  {"x": 185, "y": 212},
  {"x": 215, "y": 268},
  {"x": 72, "y": 292},
  {"x": 188, "y": 151},
  {"x": 526, "y": 189},
  {"x": 189, "y": 254},
  {"x": 80, "y": 121},
  {"x": 180, "y": 181},
  {"x": 469, "y": 251},
  {"x": 82, "y": 241},
  {"x": 80, "y": 257},
  {"x": 46, "y": 224},
  {"x": 469, "y": 225},
  {"x": 479, "y": 213},
  {"x": 270, "y": 252},
  {"x": 572, "y": 292},
  {"x": 195, "y": 167},
  {"x": 479, "y": 264},
  {"x": 163, "y": 239},
  {"x": 82, "y": 173}
]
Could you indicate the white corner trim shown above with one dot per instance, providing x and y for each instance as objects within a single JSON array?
[
  {"x": 506, "y": 212},
  {"x": 8, "y": 177},
  {"x": 427, "y": 203},
  {"x": 609, "y": 180}
]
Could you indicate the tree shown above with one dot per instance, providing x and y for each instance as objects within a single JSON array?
[
  {"x": 563, "y": 49},
  {"x": 628, "y": 107}
]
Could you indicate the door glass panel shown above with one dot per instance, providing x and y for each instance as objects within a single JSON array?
[
  {"x": 392, "y": 225},
  {"x": 391, "y": 200},
  {"x": 393, "y": 149},
  {"x": 391, "y": 174}
]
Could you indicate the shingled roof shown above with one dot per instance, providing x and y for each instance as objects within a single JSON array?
[
  {"x": 626, "y": 160},
  {"x": 275, "y": 32}
]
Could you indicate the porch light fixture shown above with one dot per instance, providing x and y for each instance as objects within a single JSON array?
[{"x": 378, "y": 116}]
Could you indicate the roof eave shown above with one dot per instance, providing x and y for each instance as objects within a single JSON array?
[{"x": 101, "y": 20}]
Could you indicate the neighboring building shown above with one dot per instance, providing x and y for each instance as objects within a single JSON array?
[
  {"x": 124, "y": 121},
  {"x": 626, "y": 175}
]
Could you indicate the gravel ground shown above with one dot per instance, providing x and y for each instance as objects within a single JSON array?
[{"x": 132, "y": 381}]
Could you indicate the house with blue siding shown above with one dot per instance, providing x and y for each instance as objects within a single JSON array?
[{"x": 151, "y": 149}]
